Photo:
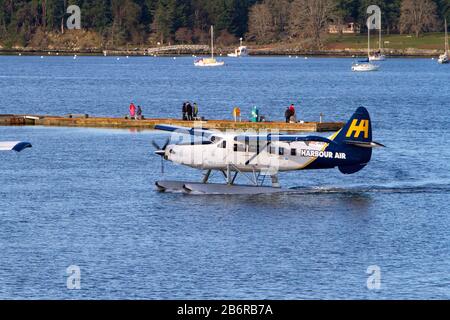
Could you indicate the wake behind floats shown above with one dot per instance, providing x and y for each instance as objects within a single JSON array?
[{"x": 259, "y": 156}]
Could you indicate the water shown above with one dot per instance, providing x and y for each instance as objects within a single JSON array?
[{"x": 85, "y": 196}]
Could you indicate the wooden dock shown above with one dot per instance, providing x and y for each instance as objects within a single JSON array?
[{"x": 149, "y": 124}]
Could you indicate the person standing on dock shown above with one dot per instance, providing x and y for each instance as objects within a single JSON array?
[
  {"x": 237, "y": 114},
  {"x": 184, "y": 111},
  {"x": 189, "y": 111},
  {"x": 293, "y": 117},
  {"x": 139, "y": 113},
  {"x": 195, "y": 111},
  {"x": 287, "y": 114},
  {"x": 132, "y": 111}
]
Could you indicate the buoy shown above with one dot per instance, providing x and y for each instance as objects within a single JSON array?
[
  {"x": 42, "y": 57},
  {"x": 57, "y": 53},
  {"x": 20, "y": 54},
  {"x": 128, "y": 57}
]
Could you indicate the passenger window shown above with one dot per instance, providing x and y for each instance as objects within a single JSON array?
[
  {"x": 235, "y": 147},
  {"x": 281, "y": 151},
  {"x": 253, "y": 148},
  {"x": 293, "y": 152}
]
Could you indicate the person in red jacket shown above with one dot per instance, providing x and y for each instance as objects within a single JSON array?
[
  {"x": 292, "y": 109},
  {"x": 132, "y": 111}
]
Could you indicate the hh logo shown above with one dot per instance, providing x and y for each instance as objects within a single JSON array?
[{"x": 356, "y": 129}]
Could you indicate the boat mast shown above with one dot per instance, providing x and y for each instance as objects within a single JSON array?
[
  {"x": 212, "y": 42},
  {"x": 446, "y": 37},
  {"x": 380, "y": 38},
  {"x": 368, "y": 39}
]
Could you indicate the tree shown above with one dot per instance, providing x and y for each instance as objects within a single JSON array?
[
  {"x": 260, "y": 23},
  {"x": 311, "y": 18},
  {"x": 163, "y": 20},
  {"x": 418, "y": 16}
]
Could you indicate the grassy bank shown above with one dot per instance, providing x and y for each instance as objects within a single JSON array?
[{"x": 429, "y": 41}]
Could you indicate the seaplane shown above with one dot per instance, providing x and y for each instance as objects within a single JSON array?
[
  {"x": 261, "y": 157},
  {"x": 14, "y": 146}
]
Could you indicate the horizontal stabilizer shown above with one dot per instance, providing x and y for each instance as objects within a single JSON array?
[
  {"x": 370, "y": 145},
  {"x": 14, "y": 146}
]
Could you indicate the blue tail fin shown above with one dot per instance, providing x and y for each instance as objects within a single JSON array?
[
  {"x": 356, "y": 139},
  {"x": 357, "y": 130}
]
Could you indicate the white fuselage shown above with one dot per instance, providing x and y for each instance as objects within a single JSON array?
[{"x": 226, "y": 152}]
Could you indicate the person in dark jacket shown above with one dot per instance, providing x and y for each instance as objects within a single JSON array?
[
  {"x": 288, "y": 114},
  {"x": 139, "y": 113},
  {"x": 189, "y": 111},
  {"x": 184, "y": 111}
]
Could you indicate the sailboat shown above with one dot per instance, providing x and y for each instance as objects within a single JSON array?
[
  {"x": 242, "y": 51},
  {"x": 365, "y": 65},
  {"x": 378, "y": 56},
  {"x": 209, "y": 62},
  {"x": 444, "y": 58}
]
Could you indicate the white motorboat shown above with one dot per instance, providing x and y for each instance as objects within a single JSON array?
[
  {"x": 444, "y": 58},
  {"x": 209, "y": 62},
  {"x": 242, "y": 51},
  {"x": 378, "y": 56},
  {"x": 365, "y": 67}
]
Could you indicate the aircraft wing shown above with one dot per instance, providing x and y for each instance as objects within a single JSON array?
[
  {"x": 282, "y": 138},
  {"x": 14, "y": 146},
  {"x": 198, "y": 132}
]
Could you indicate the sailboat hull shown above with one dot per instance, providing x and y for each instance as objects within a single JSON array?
[{"x": 202, "y": 63}]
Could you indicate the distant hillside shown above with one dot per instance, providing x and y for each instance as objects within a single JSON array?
[{"x": 112, "y": 24}]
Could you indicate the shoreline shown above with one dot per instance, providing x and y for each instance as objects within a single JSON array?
[{"x": 257, "y": 52}]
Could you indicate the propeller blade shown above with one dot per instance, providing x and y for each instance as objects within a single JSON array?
[
  {"x": 166, "y": 144},
  {"x": 155, "y": 145}
]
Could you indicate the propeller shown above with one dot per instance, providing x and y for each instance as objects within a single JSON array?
[{"x": 161, "y": 151}]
